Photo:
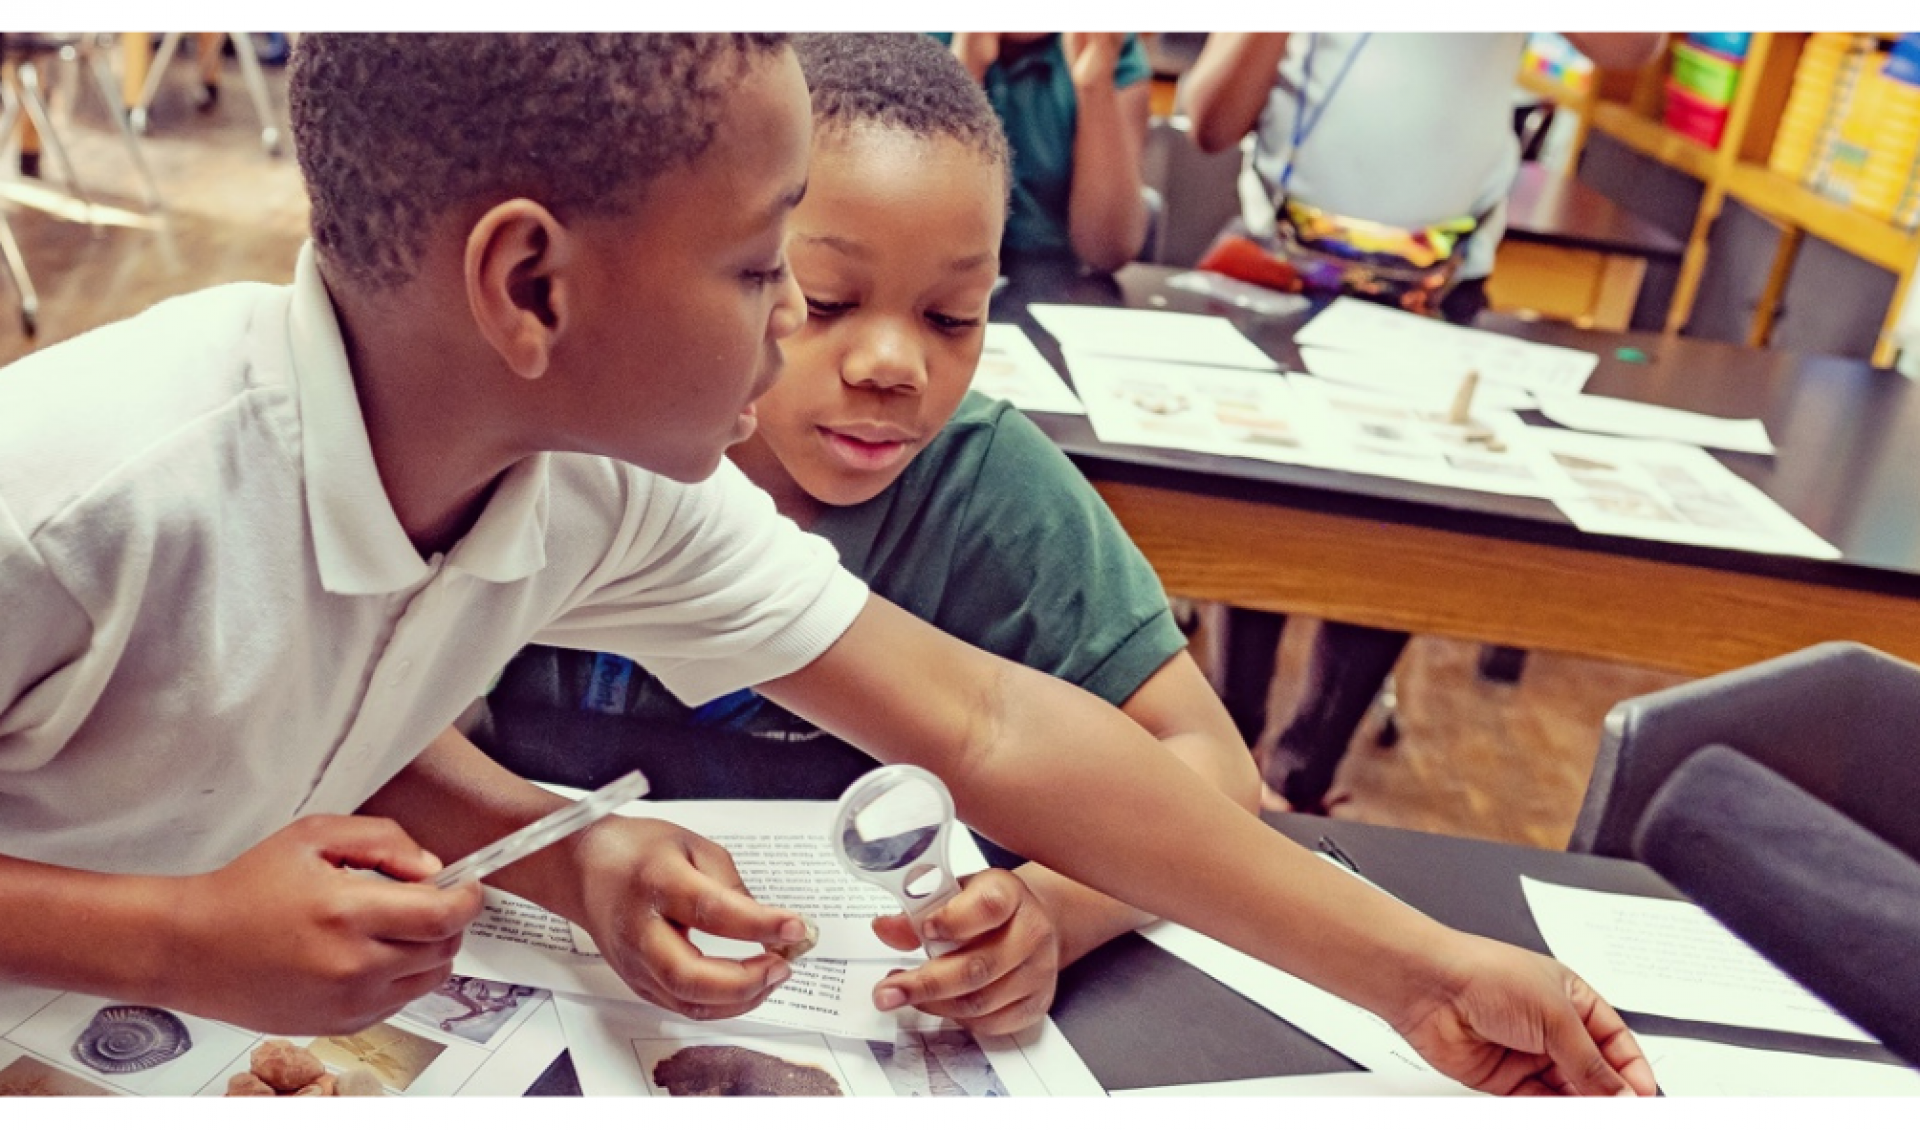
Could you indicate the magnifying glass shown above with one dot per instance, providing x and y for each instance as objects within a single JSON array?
[{"x": 891, "y": 831}]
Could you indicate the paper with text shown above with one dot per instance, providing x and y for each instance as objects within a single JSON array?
[
  {"x": 1643, "y": 488},
  {"x": 1704, "y": 1069},
  {"x": 783, "y": 855},
  {"x": 1013, "y": 369},
  {"x": 1152, "y": 335},
  {"x": 1671, "y": 958},
  {"x": 1189, "y": 408},
  {"x": 1429, "y": 383},
  {"x": 467, "y": 1037},
  {"x": 635, "y": 1049},
  {"x": 1335, "y": 1085},
  {"x": 1355, "y": 326}
]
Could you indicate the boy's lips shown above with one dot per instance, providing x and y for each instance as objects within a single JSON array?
[{"x": 868, "y": 448}]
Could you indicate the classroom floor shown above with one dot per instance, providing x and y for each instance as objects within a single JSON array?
[{"x": 1474, "y": 758}]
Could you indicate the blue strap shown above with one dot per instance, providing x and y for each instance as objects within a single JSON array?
[{"x": 1304, "y": 123}]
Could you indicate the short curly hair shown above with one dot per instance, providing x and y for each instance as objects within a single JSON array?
[
  {"x": 393, "y": 129},
  {"x": 905, "y": 81}
]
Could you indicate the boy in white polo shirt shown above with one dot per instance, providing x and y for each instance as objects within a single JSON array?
[{"x": 260, "y": 544}]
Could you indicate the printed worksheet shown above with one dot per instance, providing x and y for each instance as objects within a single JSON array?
[
  {"x": 1375, "y": 433},
  {"x": 635, "y": 1049},
  {"x": 1013, "y": 369},
  {"x": 1354, "y": 326},
  {"x": 1193, "y": 408},
  {"x": 1671, "y": 958},
  {"x": 1704, "y": 1069},
  {"x": 468, "y": 1037},
  {"x": 1671, "y": 492},
  {"x": 783, "y": 854}
]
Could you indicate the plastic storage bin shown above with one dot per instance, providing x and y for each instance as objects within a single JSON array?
[
  {"x": 1731, "y": 44},
  {"x": 1830, "y": 67},
  {"x": 1709, "y": 77},
  {"x": 1689, "y": 114}
]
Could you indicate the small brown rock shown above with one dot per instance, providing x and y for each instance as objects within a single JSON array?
[
  {"x": 285, "y": 1066},
  {"x": 248, "y": 1085},
  {"x": 794, "y": 951},
  {"x": 359, "y": 1083}
]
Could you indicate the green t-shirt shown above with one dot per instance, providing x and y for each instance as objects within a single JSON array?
[
  {"x": 1031, "y": 88},
  {"x": 990, "y": 534}
]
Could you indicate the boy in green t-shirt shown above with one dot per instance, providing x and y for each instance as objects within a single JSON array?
[
  {"x": 952, "y": 505},
  {"x": 980, "y": 526}
]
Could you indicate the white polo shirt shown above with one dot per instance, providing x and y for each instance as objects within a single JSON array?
[{"x": 211, "y": 621}]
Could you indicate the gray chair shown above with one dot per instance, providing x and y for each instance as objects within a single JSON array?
[
  {"x": 250, "y": 71},
  {"x": 1841, "y": 721},
  {"x": 1198, "y": 191},
  {"x": 1832, "y": 904},
  {"x": 12, "y": 263}
]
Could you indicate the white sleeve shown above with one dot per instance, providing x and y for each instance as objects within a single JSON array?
[
  {"x": 710, "y": 589},
  {"x": 45, "y": 639}
]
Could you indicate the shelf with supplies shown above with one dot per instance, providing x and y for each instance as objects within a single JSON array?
[{"x": 1626, "y": 107}]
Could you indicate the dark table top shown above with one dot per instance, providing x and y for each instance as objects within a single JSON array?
[
  {"x": 1552, "y": 208},
  {"x": 1848, "y": 434}
]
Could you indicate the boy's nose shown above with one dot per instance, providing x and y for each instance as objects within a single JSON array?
[{"x": 886, "y": 357}]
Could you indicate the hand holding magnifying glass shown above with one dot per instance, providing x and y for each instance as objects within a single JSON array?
[{"x": 892, "y": 831}]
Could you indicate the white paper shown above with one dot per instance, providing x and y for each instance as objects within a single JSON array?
[
  {"x": 1375, "y": 433},
  {"x": 1013, "y": 369},
  {"x": 1671, "y": 958},
  {"x": 462, "y": 1039},
  {"x": 618, "y": 1050},
  {"x": 1417, "y": 378},
  {"x": 1704, "y": 1069},
  {"x": 1191, "y": 408},
  {"x": 1336, "y": 1084},
  {"x": 1153, "y": 335},
  {"x": 1355, "y": 326},
  {"x": 1346, "y": 1028},
  {"x": 1609, "y": 416},
  {"x": 783, "y": 854},
  {"x": 1671, "y": 492}
]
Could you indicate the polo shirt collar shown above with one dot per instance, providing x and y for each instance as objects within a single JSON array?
[{"x": 359, "y": 545}]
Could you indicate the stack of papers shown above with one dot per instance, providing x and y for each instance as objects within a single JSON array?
[
  {"x": 1013, "y": 370},
  {"x": 1350, "y": 325},
  {"x": 820, "y": 1027}
]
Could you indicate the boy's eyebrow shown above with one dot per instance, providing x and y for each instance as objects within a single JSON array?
[
  {"x": 853, "y": 248},
  {"x": 786, "y": 203}
]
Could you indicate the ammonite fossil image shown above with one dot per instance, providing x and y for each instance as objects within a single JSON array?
[
  {"x": 124, "y": 1038},
  {"x": 723, "y": 1069}
]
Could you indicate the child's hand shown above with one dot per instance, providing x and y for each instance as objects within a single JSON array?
[
  {"x": 285, "y": 940},
  {"x": 1092, "y": 55},
  {"x": 645, "y": 884},
  {"x": 1510, "y": 1021},
  {"x": 976, "y": 51},
  {"x": 1002, "y": 977}
]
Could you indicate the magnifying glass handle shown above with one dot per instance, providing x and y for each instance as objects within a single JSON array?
[{"x": 920, "y": 912}]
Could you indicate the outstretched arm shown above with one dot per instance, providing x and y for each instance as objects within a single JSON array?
[{"x": 1011, "y": 742}]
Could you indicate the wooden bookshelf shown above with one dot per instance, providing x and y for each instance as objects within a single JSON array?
[{"x": 1626, "y": 107}]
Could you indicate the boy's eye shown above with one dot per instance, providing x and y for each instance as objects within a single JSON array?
[
  {"x": 820, "y": 308},
  {"x": 947, "y": 323},
  {"x": 771, "y": 276}
]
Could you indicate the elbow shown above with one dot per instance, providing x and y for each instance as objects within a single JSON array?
[{"x": 1210, "y": 135}]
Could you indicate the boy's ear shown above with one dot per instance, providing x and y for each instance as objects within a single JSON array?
[{"x": 515, "y": 269}]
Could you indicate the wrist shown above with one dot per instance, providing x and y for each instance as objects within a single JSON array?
[{"x": 157, "y": 935}]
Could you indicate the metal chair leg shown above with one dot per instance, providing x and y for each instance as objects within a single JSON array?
[
  {"x": 103, "y": 77},
  {"x": 257, "y": 89},
  {"x": 14, "y": 263},
  {"x": 36, "y": 108},
  {"x": 169, "y": 43}
]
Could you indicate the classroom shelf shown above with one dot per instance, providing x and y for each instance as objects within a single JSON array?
[
  {"x": 1550, "y": 91},
  {"x": 1652, "y": 139},
  {"x": 1794, "y": 205}
]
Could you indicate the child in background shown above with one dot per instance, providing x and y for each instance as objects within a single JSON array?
[
  {"x": 1075, "y": 108},
  {"x": 954, "y": 506},
  {"x": 260, "y": 545}
]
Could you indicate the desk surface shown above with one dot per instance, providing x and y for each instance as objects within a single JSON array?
[
  {"x": 1849, "y": 439},
  {"x": 1548, "y": 207},
  {"x": 1515, "y": 571}
]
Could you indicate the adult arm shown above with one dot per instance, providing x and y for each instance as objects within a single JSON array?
[
  {"x": 1228, "y": 85},
  {"x": 1617, "y": 50}
]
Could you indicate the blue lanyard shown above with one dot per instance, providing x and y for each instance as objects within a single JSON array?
[{"x": 1303, "y": 122}]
